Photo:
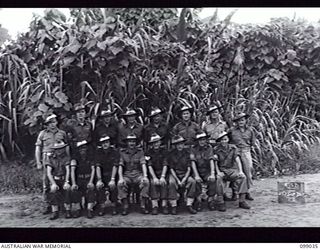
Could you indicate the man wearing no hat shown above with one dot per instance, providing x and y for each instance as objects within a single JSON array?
[
  {"x": 131, "y": 126},
  {"x": 158, "y": 168},
  {"x": 186, "y": 128},
  {"x": 46, "y": 139},
  {"x": 156, "y": 126},
  {"x": 202, "y": 162},
  {"x": 107, "y": 159},
  {"x": 244, "y": 138}
]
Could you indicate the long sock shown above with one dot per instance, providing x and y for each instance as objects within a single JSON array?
[
  {"x": 190, "y": 201},
  {"x": 76, "y": 206},
  {"x": 55, "y": 208},
  {"x": 154, "y": 203},
  {"x": 90, "y": 205},
  {"x": 242, "y": 197},
  {"x": 173, "y": 203},
  {"x": 164, "y": 203},
  {"x": 67, "y": 206}
]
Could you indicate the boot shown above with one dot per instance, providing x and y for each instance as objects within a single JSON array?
[
  {"x": 244, "y": 205},
  {"x": 173, "y": 210},
  {"x": 249, "y": 197},
  {"x": 89, "y": 213},
  {"x": 76, "y": 214},
  {"x": 68, "y": 214},
  {"x": 144, "y": 210},
  {"x": 165, "y": 210},
  {"x": 47, "y": 210},
  {"x": 54, "y": 215},
  {"x": 125, "y": 207},
  {"x": 101, "y": 211},
  {"x": 211, "y": 206},
  {"x": 114, "y": 211},
  {"x": 234, "y": 197},
  {"x": 198, "y": 206},
  {"x": 221, "y": 207},
  {"x": 154, "y": 211},
  {"x": 191, "y": 210}
]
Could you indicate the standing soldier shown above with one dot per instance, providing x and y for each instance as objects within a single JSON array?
[
  {"x": 82, "y": 177},
  {"x": 215, "y": 126},
  {"x": 180, "y": 169},
  {"x": 202, "y": 160},
  {"x": 107, "y": 126},
  {"x": 158, "y": 167},
  {"x": 107, "y": 167},
  {"x": 244, "y": 138},
  {"x": 132, "y": 173},
  {"x": 80, "y": 127},
  {"x": 186, "y": 128},
  {"x": 157, "y": 126},
  {"x": 130, "y": 127},
  {"x": 58, "y": 170},
  {"x": 45, "y": 141},
  {"x": 229, "y": 168}
]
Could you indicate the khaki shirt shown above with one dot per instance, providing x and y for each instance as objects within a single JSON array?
[
  {"x": 131, "y": 160},
  {"x": 244, "y": 139},
  {"x": 47, "y": 138},
  {"x": 80, "y": 132},
  {"x": 202, "y": 156},
  {"x": 125, "y": 130},
  {"x": 214, "y": 130},
  {"x": 227, "y": 156},
  {"x": 179, "y": 161},
  {"x": 187, "y": 130}
]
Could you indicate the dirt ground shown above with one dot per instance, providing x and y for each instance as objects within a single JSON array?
[{"x": 24, "y": 211}]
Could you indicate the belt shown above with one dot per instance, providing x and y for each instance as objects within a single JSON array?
[
  {"x": 47, "y": 153},
  {"x": 83, "y": 176},
  {"x": 58, "y": 177}
]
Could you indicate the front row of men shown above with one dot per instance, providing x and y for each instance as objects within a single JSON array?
[{"x": 165, "y": 178}]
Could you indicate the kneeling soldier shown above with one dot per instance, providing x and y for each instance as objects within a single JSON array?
[
  {"x": 179, "y": 162},
  {"x": 230, "y": 169},
  {"x": 106, "y": 167},
  {"x": 157, "y": 164},
  {"x": 58, "y": 171},
  {"x": 202, "y": 161},
  {"x": 132, "y": 173},
  {"x": 82, "y": 176}
]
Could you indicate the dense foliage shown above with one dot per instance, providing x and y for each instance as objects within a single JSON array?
[{"x": 155, "y": 57}]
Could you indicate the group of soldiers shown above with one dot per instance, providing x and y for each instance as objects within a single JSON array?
[{"x": 164, "y": 167}]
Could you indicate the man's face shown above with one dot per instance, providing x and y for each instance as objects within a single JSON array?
[
  {"x": 107, "y": 119},
  {"x": 180, "y": 146},
  {"x": 186, "y": 115},
  {"x": 224, "y": 141},
  {"x": 81, "y": 114},
  {"x": 242, "y": 122},
  {"x": 131, "y": 144},
  {"x": 202, "y": 142},
  {"x": 106, "y": 144},
  {"x": 214, "y": 114},
  {"x": 156, "y": 145},
  {"x": 157, "y": 118},
  {"x": 131, "y": 118},
  {"x": 53, "y": 123}
]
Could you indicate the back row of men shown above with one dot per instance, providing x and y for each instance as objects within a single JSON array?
[{"x": 80, "y": 163}]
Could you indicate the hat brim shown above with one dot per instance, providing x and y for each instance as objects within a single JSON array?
[
  {"x": 59, "y": 147},
  {"x": 243, "y": 116},
  {"x": 210, "y": 111},
  {"x": 203, "y": 137},
  {"x": 108, "y": 114},
  {"x": 174, "y": 143},
  {"x": 150, "y": 116},
  {"x": 155, "y": 140},
  {"x": 219, "y": 138}
]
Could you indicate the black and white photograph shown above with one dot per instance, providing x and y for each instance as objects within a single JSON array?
[{"x": 159, "y": 117}]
